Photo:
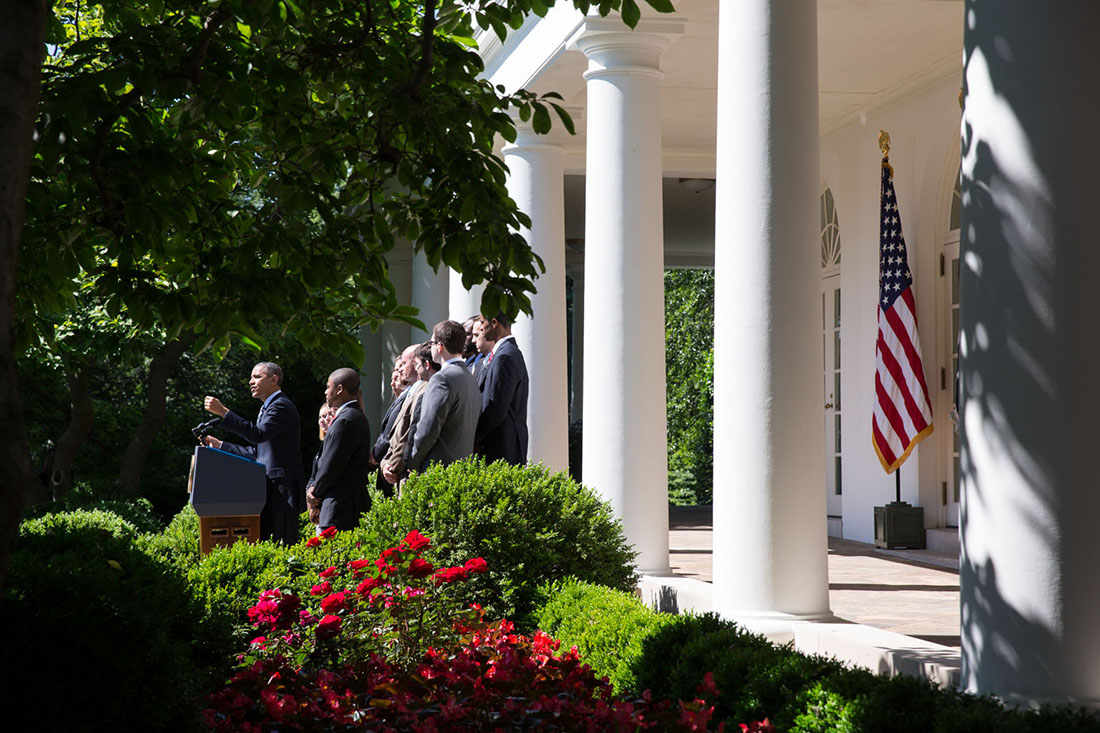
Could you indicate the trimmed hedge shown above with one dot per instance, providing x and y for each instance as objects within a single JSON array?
[
  {"x": 756, "y": 679},
  {"x": 531, "y": 526},
  {"x": 609, "y": 628},
  {"x": 101, "y": 635},
  {"x": 136, "y": 510}
]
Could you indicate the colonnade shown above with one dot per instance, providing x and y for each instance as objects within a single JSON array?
[{"x": 1028, "y": 597}]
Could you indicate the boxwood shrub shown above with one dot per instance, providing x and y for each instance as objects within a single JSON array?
[
  {"x": 758, "y": 679},
  {"x": 610, "y": 628},
  {"x": 101, "y": 636},
  {"x": 531, "y": 526},
  {"x": 137, "y": 510}
]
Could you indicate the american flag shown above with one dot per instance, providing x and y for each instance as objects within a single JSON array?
[{"x": 903, "y": 412}]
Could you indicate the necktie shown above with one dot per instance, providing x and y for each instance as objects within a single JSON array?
[{"x": 490, "y": 359}]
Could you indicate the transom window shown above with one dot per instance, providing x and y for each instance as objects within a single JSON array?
[{"x": 830, "y": 232}]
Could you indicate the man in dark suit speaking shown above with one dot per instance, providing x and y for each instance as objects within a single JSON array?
[
  {"x": 276, "y": 435},
  {"x": 502, "y": 427},
  {"x": 339, "y": 485}
]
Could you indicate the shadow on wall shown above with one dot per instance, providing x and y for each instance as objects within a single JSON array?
[{"x": 1027, "y": 356}]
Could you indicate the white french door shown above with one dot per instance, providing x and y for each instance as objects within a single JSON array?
[{"x": 830, "y": 337}]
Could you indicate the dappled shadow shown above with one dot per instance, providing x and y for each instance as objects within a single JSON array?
[{"x": 1028, "y": 386}]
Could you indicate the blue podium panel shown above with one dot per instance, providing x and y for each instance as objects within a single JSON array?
[{"x": 226, "y": 485}]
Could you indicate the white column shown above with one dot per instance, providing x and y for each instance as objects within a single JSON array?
[
  {"x": 536, "y": 183},
  {"x": 463, "y": 303},
  {"x": 576, "y": 403},
  {"x": 770, "y": 544},
  {"x": 430, "y": 293},
  {"x": 1029, "y": 354},
  {"x": 624, "y": 412}
]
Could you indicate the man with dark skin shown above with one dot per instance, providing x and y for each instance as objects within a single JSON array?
[
  {"x": 339, "y": 486},
  {"x": 276, "y": 435}
]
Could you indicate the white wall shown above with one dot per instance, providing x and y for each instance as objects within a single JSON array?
[{"x": 924, "y": 131}]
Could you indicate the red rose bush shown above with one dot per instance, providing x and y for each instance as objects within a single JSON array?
[{"x": 390, "y": 645}]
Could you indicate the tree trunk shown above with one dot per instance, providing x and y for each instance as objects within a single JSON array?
[
  {"x": 76, "y": 432},
  {"x": 21, "y": 35},
  {"x": 156, "y": 408}
]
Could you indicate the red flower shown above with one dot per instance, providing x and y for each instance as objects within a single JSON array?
[
  {"x": 335, "y": 602},
  {"x": 476, "y": 565},
  {"x": 417, "y": 541},
  {"x": 447, "y": 575},
  {"x": 329, "y": 533},
  {"x": 761, "y": 726},
  {"x": 328, "y": 627},
  {"x": 420, "y": 568},
  {"x": 328, "y": 573},
  {"x": 359, "y": 564},
  {"x": 321, "y": 589},
  {"x": 368, "y": 585},
  {"x": 313, "y": 542},
  {"x": 383, "y": 566}
]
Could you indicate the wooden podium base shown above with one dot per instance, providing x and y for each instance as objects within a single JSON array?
[{"x": 224, "y": 531}]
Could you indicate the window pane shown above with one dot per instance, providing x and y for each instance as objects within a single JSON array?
[
  {"x": 957, "y": 481},
  {"x": 836, "y": 308},
  {"x": 836, "y": 418},
  {"x": 955, "y": 281},
  {"x": 836, "y": 349},
  {"x": 836, "y": 391},
  {"x": 955, "y": 330},
  {"x": 838, "y": 475}
]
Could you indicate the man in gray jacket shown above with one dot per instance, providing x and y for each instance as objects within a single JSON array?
[{"x": 446, "y": 416}]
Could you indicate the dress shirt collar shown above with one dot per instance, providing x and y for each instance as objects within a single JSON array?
[
  {"x": 341, "y": 408},
  {"x": 498, "y": 343},
  {"x": 272, "y": 396}
]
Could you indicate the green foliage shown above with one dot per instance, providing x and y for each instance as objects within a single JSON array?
[
  {"x": 530, "y": 525},
  {"x": 102, "y": 635},
  {"x": 670, "y": 655},
  {"x": 138, "y": 511},
  {"x": 178, "y": 543},
  {"x": 200, "y": 164},
  {"x": 611, "y": 629},
  {"x": 689, "y": 374}
]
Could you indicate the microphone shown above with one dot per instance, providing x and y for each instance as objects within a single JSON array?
[{"x": 202, "y": 428}]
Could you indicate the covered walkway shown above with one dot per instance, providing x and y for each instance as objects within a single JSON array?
[{"x": 869, "y": 590}]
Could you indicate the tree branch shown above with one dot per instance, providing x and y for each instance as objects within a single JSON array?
[{"x": 427, "y": 46}]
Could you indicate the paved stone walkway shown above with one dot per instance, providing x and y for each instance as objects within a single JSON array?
[{"x": 866, "y": 586}]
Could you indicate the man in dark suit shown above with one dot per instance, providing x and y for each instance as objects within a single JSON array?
[
  {"x": 276, "y": 435},
  {"x": 482, "y": 346},
  {"x": 502, "y": 427},
  {"x": 339, "y": 485},
  {"x": 404, "y": 374},
  {"x": 446, "y": 415}
]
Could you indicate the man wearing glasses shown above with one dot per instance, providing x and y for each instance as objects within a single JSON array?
[{"x": 446, "y": 416}]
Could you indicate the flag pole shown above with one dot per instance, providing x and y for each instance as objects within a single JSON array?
[{"x": 897, "y": 484}]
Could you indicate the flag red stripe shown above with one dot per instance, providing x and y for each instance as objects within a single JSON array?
[
  {"x": 890, "y": 411},
  {"x": 883, "y": 447},
  {"x": 911, "y": 352},
  {"x": 916, "y": 416}
]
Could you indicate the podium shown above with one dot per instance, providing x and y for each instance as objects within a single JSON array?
[{"x": 228, "y": 493}]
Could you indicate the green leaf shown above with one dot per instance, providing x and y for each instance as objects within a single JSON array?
[
  {"x": 565, "y": 117},
  {"x": 662, "y": 6},
  {"x": 631, "y": 13},
  {"x": 541, "y": 121}
]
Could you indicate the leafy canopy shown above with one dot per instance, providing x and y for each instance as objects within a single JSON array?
[{"x": 203, "y": 164}]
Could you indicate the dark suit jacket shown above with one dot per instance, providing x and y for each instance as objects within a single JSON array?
[
  {"x": 383, "y": 443},
  {"x": 445, "y": 419},
  {"x": 502, "y": 427},
  {"x": 340, "y": 481},
  {"x": 278, "y": 445}
]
